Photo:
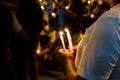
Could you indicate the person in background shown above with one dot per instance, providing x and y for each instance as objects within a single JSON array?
[
  {"x": 98, "y": 53},
  {"x": 9, "y": 24},
  {"x": 60, "y": 15},
  {"x": 30, "y": 17},
  {"x": 48, "y": 4}
]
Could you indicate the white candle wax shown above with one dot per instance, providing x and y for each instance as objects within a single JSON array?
[
  {"x": 69, "y": 39},
  {"x": 62, "y": 40}
]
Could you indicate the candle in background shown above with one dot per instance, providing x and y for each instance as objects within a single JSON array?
[
  {"x": 38, "y": 48},
  {"x": 67, "y": 7},
  {"x": 62, "y": 40},
  {"x": 69, "y": 39},
  {"x": 42, "y": 7},
  {"x": 53, "y": 14}
]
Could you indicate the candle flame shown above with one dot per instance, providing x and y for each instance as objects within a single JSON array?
[
  {"x": 92, "y": 15},
  {"x": 38, "y": 51},
  {"x": 61, "y": 33},
  {"x": 40, "y": 0},
  {"x": 66, "y": 29},
  {"x": 53, "y": 14},
  {"x": 42, "y": 7},
  {"x": 67, "y": 7},
  {"x": 88, "y": 2}
]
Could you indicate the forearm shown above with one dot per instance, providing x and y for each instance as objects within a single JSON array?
[
  {"x": 70, "y": 71},
  {"x": 66, "y": 60}
]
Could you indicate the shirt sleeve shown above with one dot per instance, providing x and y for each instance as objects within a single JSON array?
[{"x": 16, "y": 25}]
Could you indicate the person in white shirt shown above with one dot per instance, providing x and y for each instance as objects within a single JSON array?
[{"x": 98, "y": 53}]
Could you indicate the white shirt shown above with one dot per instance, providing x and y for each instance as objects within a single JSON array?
[{"x": 98, "y": 53}]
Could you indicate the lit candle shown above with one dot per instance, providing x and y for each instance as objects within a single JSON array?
[
  {"x": 67, "y": 7},
  {"x": 38, "y": 51},
  {"x": 92, "y": 16},
  {"x": 40, "y": 1},
  {"x": 62, "y": 40},
  {"x": 53, "y": 14},
  {"x": 42, "y": 7},
  {"x": 69, "y": 39}
]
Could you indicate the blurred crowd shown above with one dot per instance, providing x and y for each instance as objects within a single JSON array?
[{"x": 31, "y": 50}]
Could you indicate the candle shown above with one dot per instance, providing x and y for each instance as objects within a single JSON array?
[
  {"x": 67, "y": 7},
  {"x": 38, "y": 51},
  {"x": 53, "y": 14},
  {"x": 69, "y": 39},
  {"x": 62, "y": 40},
  {"x": 42, "y": 7}
]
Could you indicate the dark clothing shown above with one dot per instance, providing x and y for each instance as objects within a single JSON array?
[
  {"x": 5, "y": 43},
  {"x": 30, "y": 17},
  {"x": 5, "y": 27}
]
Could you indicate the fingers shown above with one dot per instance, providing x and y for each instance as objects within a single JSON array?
[
  {"x": 60, "y": 50},
  {"x": 61, "y": 78},
  {"x": 64, "y": 51}
]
